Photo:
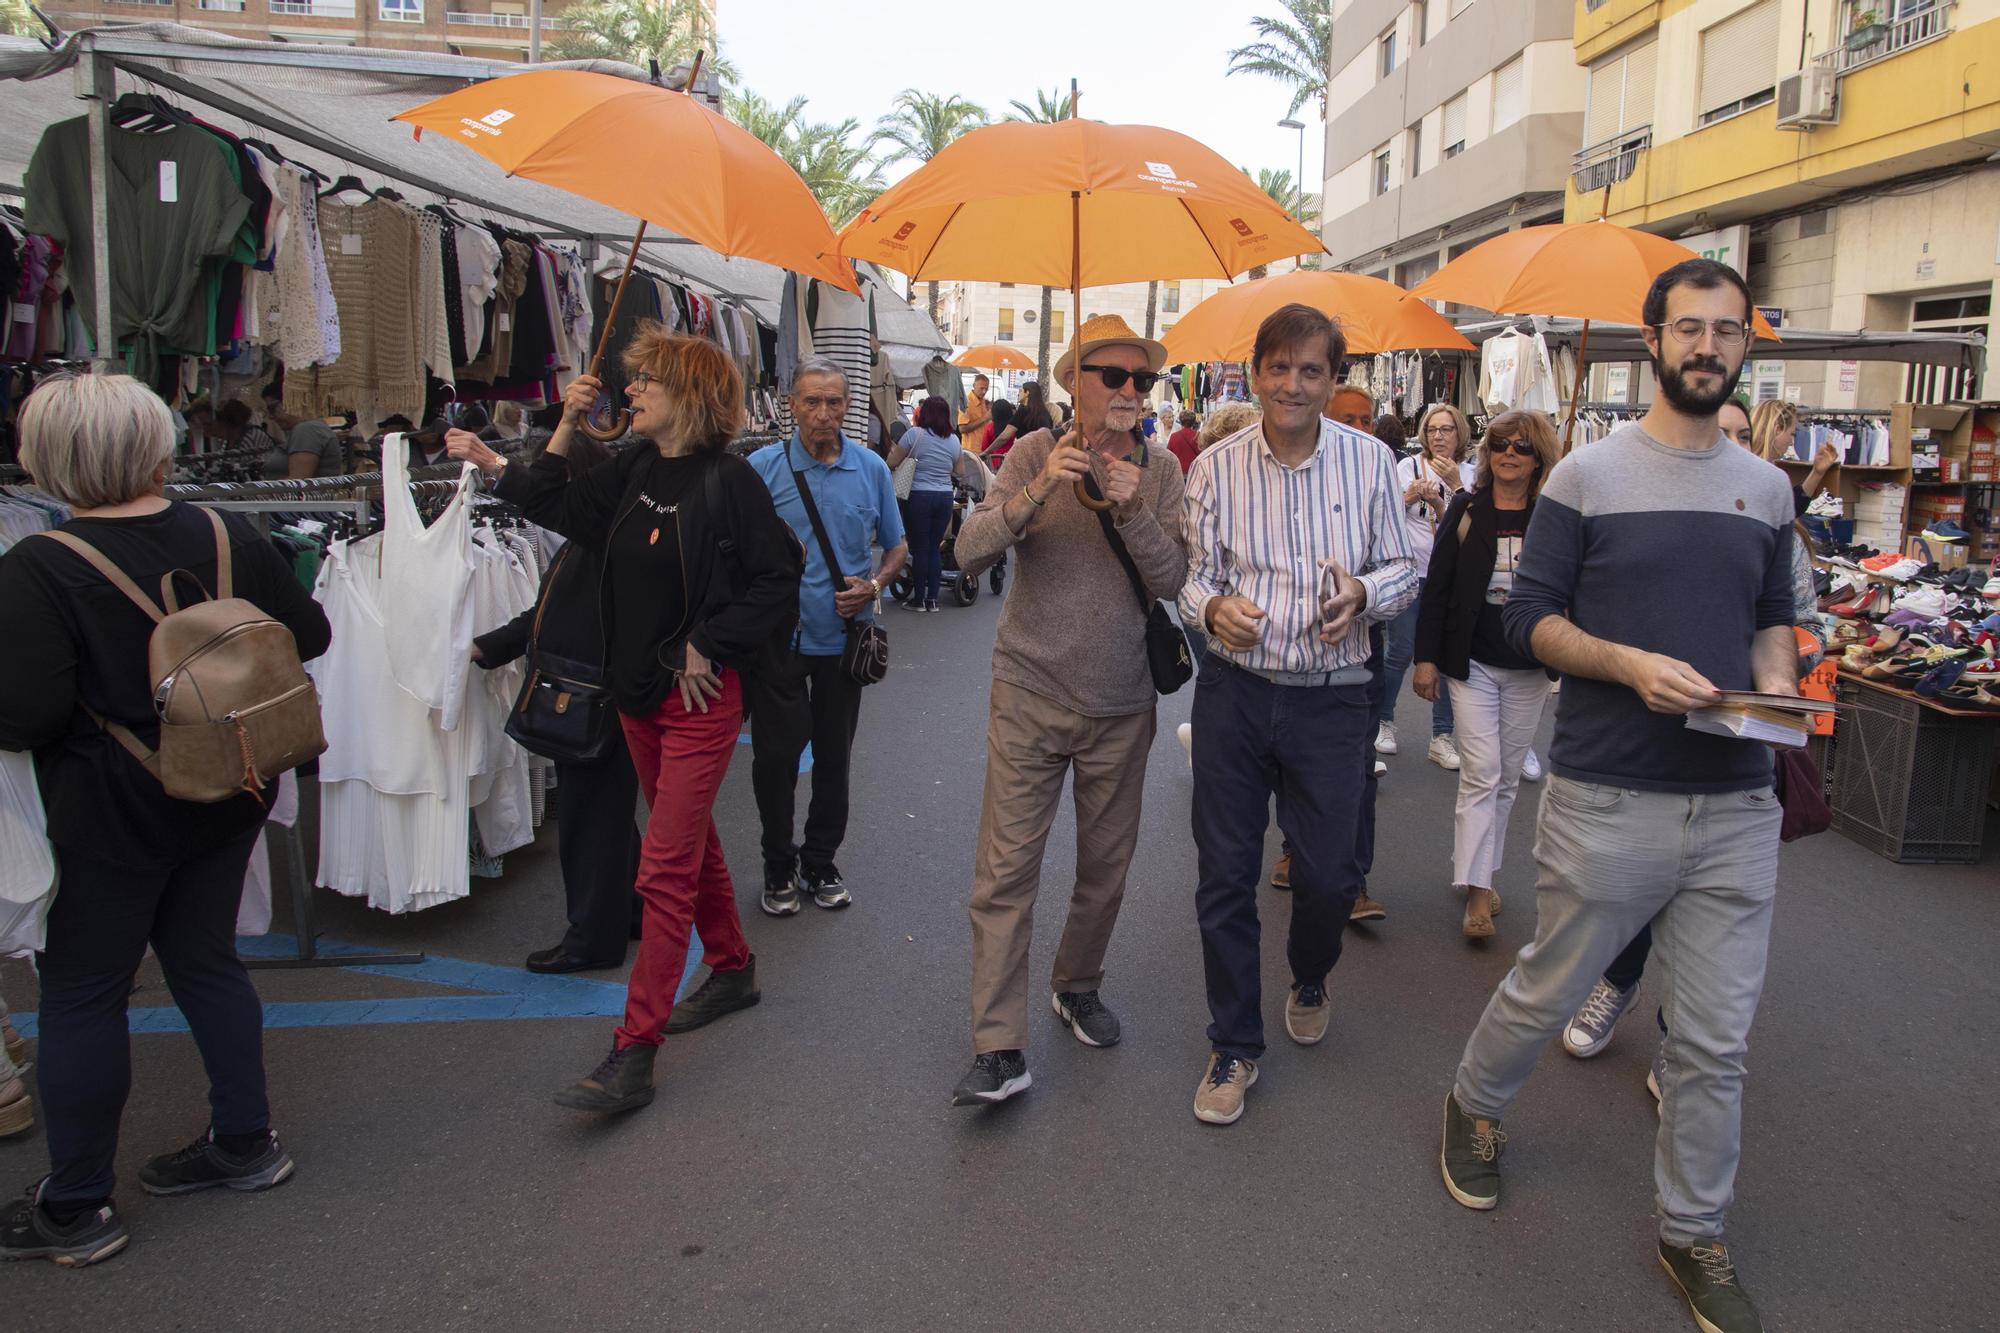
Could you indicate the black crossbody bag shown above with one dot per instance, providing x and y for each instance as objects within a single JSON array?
[
  {"x": 564, "y": 712},
  {"x": 1166, "y": 646},
  {"x": 865, "y": 657}
]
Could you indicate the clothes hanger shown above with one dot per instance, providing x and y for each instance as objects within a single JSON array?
[{"x": 345, "y": 185}]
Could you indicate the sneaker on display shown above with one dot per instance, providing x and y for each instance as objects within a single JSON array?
[
  {"x": 1385, "y": 738},
  {"x": 1444, "y": 752},
  {"x": 1590, "y": 1031},
  {"x": 994, "y": 1077}
]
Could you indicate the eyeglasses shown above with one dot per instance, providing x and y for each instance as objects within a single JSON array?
[
  {"x": 641, "y": 382},
  {"x": 1728, "y": 332},
  {"x": 1443, "y": 428},
  {"x": 1114, "y": 377},
  {"x": 1519, "y": 448}
]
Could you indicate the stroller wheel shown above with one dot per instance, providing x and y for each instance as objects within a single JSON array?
[
  {"x": 997, "y": 579},
  {"x": 902, "y": 587},
  {"x": 964, "y": 590}
]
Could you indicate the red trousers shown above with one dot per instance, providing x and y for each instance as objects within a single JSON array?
[{"x": 683, "y": 881}]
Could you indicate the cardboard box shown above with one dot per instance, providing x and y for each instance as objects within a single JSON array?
[
  {"x": 1920, "y": 425},
  {"x": 1949, "y": 555}
]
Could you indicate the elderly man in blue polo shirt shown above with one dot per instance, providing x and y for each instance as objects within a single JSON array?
[{"x": 808, "y": 697}]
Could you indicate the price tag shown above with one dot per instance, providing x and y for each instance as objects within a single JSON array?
[
  {"x": 23, "y": 313},
  {"x": 505, "y": 323},
  {"x": 170, "y": 182},
  {"x": 350, "y": 243}
]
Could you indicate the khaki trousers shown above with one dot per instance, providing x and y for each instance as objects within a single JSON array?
[{"x": 1031, "y": 743}]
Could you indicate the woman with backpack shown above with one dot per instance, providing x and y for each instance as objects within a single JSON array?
[
  {"x": 137, "y": 866},
  {"x": 701, "y": 581}
]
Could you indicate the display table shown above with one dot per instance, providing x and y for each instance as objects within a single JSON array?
[{"x": 1910, "y": 776}]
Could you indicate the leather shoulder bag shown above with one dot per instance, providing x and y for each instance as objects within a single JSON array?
[
  {"x": 565, "y": 711},
  {"x": 1166, "y": 645},
  {"x": 865, "y": 656}
]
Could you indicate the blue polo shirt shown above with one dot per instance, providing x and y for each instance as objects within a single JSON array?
[{"x": 856, "y": 497}]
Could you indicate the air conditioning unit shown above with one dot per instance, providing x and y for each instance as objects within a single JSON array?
[{"x": 1808, "y": 98}]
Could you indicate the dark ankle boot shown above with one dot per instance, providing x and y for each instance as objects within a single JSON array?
[
  {"x": 723, "y": 993},
  {"x": 623, "y": 1082}
]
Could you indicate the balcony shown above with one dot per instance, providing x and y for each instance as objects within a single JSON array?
[
  {"x": 1610, "y": 162},
  {"x": 314, "y": 9},
  {"x": 520, "y": 21},
  {"x": 1879, "y": 41}
]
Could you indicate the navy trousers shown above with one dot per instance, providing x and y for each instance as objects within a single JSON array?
[{"x": 1307, "y": 746}]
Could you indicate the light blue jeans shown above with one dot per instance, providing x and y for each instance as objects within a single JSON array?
[
  {"x": 1703, "y": 870},
  {"x": 1399, "y": 647}
]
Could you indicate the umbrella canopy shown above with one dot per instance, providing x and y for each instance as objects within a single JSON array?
[
  {"x": 656, "y": 154},
  {"x": 1376, "y": 316},
  {"x": 994, "y": 356},
  {"x": 1074, "y": 204},
  {"x": 1581, "y": 270}
]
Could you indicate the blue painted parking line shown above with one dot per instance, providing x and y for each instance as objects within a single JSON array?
[
  {"x": 805, "y": 759},
  {"x": 511, "y": 994}
]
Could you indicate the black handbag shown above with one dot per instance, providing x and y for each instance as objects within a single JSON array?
[
  {"x": 564, "y": 712},
  {"x": 865, "y": 656},
  {"x": 1167, "y": 654}
]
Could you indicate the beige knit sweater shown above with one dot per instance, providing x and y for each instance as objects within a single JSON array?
[{"x": 372, "y": 253}]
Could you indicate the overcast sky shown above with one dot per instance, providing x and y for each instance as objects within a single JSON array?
[{"x": 1154, "y": 63}]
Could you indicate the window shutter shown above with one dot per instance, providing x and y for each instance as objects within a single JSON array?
[
  {"x": 1454, "y": 121},
  {"x": 1739, "y": 56},
  {"x": 1639, "y": 67},
  {"x": 1507, "y": 93},
  {"x": 1607, "y": 93}
]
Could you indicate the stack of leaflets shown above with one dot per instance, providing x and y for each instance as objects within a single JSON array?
[{"x": 1783, "y": 720}]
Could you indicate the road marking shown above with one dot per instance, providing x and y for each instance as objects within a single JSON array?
[{"x": 805, "y": 758}]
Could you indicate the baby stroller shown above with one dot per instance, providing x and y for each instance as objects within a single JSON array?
[{"x": 963, "y": 588}]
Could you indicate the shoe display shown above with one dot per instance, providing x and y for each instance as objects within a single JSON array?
[
  {"x": 1470, "y": 1158},
  {"x": 1444, "y": 752},
  {"x": 723, "y": 993},
  {"x": 204, "y": 1164},
  {"x": 826, "y": 888},
  {"x": 994, "y": 1077},
  {"x": 622, "y": 1081},
  {"x": 1086, "y": 1017},
  {"x": 781, "y": 897},
  {"x": 558, "y": 960},
  {"x": 1590, "y": 1031},
  {"x": 1707, "y": 1277},
  {"x": 1306, "y": 1013},
  {"x": 1531, "y": 768},
  {"x": 1281, "y": 871},
  {"x": 1385, "y": 738},
  {"x": 1367, "y": 909},
  {"x": 28, "y": 1232},
  {"x": 1218, "y": 1100}
]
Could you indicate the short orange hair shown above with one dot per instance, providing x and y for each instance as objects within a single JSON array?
[{"x": 704, "y": 390}]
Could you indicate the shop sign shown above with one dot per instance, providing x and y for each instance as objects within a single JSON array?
[
  {"x": 1727, "y": 245},
  {"x": 1926, "y": 269},
  {"x": 1850, "y": 376},
  {"x": 1774, "y": 315}
]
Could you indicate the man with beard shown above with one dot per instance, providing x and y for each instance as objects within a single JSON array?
[
  {"x": 1072, "y": 691},
  {"x": 1646, "y": 820},
  {"x": 1278, "y": 516}
]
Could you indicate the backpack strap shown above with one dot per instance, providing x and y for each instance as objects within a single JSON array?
[
  {"x": 1464, "y": 524},
  {"x": 117, "y": 577}
]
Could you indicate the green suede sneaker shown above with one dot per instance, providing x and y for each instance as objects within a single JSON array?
[
  {"x": 1707, "y": 1278},
  {"x": 1471, "y": 1156}
]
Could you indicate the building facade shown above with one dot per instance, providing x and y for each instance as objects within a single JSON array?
[
  {"x": 1838, "y": 152},
  {"x": 1448, "y": 123}
]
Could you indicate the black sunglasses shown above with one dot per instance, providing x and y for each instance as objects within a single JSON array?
[
  {"x": 1520, "y": 448},
  {"x": 1114, "y": 378}
]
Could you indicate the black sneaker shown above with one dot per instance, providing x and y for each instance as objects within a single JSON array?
[
  {"x": 203, "y": 1165},
  {"x": 1093, "y": 1024},
  {"x": 723, "y": 993},
  {"x": 994, "y": 1077},
  {"x": 781, "y": 896},
  {"x": 28, "y": 1233},
  {"x": 622, "y": 1081},
  {"x": 1707, "y": 1277},
  {"x": 826, "y": 888}
]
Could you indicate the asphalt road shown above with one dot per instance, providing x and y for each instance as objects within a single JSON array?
[{"x": 802, "y": 1170}]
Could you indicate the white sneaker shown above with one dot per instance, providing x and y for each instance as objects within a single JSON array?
[
  {"x": 1185, "y": 731},
  {"x": 1531, "y": 768},
  {"x": 1385, "y": 738},
  {"x": 1381, "y": 769},
  {"x": 1444, "y": 752}
]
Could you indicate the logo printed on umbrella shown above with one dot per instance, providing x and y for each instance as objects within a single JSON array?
[
  {"x": 903, "y": 232},
  {"x": 497, "y": 118},
  {"x": 488, "y": 124},
  {"x": 1162, "y": 173}
]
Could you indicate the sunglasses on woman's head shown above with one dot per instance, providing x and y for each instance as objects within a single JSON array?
[
  {"x": 1114, "y": 377},
  {"x": 1519, "y": 448}
]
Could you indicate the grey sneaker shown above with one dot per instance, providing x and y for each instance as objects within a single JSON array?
[
  {"x": 1470, "y": 1158},
  {"x": 204, "y": 1165},
  {"x": 781, "y": 897},
  {"x": 826, "y": 888},
  {"x": 1590, "y": 1031},
  {"x": 26, "y": 1232},
  {"x": 994, "y": 1077},
  {"x": 1707, "y": 1277},
  {"x": 1086, "y": 1017}
]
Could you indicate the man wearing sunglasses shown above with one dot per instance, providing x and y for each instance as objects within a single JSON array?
[
  {"x": 1296, "y": 547},
  {"x": 1072, "y": 691},
  {"x": 1645, "y": 819}
]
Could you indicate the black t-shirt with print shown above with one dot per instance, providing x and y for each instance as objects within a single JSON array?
[
  {"x": 1489, "y": 642},
  {"x": 648, "y": 564}
]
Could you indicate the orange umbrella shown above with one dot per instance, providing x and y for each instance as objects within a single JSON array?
[
  {"x": 1372, "y": 313},
  {"x": 994, "y": 356},
  {"x": 1578, "y": 270},
  {"x": 1074, "y": 204},
  {"x": 657, "y": 154}
]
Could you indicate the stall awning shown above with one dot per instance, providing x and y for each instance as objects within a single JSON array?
[{"x": 1622, "y": 342}]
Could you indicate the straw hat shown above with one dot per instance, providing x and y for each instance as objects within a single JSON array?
[{"x": 1107, "y": 331}]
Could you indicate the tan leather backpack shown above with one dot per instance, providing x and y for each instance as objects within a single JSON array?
[{"x": 236, "y": 707}]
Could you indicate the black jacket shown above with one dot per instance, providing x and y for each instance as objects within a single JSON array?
[
  {"x": 741, "y": 611},
  {"x": 73, "y": 640},
  {"x": 1455, "y": 585},
  {"x": 572, "y": 620}
]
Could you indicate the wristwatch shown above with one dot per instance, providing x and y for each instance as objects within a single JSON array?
[{"x": 876, "y": 584}]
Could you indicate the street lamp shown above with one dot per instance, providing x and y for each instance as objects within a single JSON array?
[{"x": 1289, "y": 124}]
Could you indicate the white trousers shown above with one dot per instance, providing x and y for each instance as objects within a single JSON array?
[{"x": 1497, "y": 712}]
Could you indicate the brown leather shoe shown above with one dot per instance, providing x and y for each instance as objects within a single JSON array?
[
  {"x": 1367, "y": 909},
  {"x": 1281, "y": 873},
  {"x": 1479, "y": 906}
]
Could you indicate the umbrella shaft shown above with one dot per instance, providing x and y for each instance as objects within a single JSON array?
[{"x": 617, "y": 297}]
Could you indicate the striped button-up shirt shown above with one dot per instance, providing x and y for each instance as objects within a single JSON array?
[{"x": 1259, "y": 529}]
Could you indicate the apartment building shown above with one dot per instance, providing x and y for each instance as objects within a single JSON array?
[
  {"x": 1448, "y": 122},
  {"x": 1838, "y": 152}
]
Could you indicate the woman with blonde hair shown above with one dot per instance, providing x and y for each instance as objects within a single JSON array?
[
  {"x": 1224, "y": 421},
  {"x": 1429, "y": 478},
  {"x": 1772, "y": 423},
  {"x": 1497, "y": 691},
  {"x": 683, "y": 620}
]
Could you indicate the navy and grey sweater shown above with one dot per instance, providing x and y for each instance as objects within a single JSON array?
[{"x": 1672, "y": 551}]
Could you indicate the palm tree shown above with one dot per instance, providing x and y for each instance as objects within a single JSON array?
[
  {"x": 835, "y": 168},
  {"x": 921, "y": 126},
  {"x": 670, "y": 32},
  {"x": 766, "y": 122},
  {"x": 17, "y": 20},
  {"x": 1294, "y": 50},
  {"x": 1049, "y": 108},
  {"x": 1277, "y": 183}
]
